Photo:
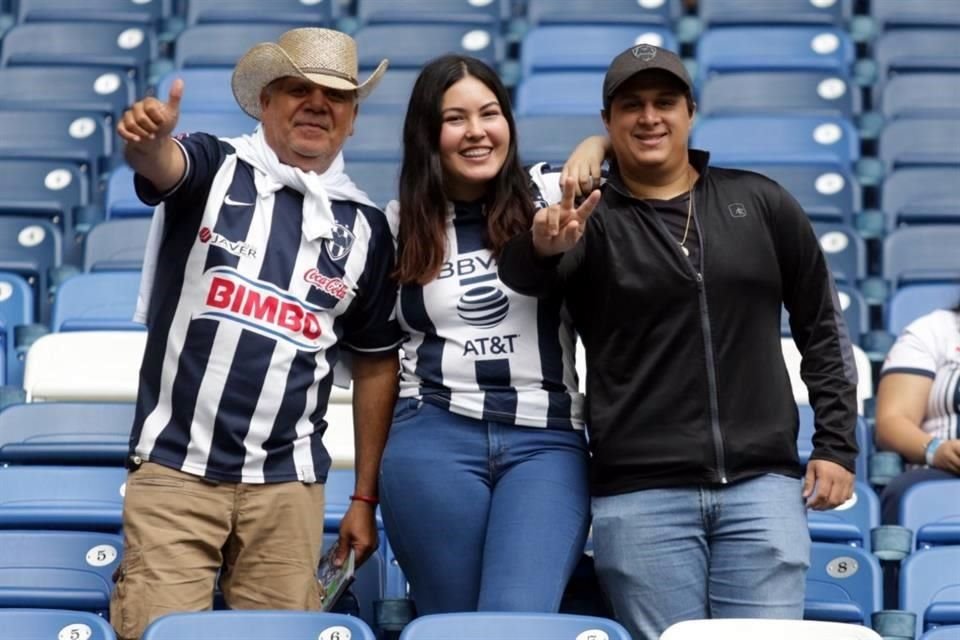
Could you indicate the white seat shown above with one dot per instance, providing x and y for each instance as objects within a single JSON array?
[
  {"x": 791, "y": 356},
  {"x": 338, "y": 438},
  {"x": 743, "y": 629},
  {"x": 93, "y": 366}
]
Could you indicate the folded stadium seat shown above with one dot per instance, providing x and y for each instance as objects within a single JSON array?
[
  {"x": 204, "y": 89},
  {"x": 916, "y": 50},
  {"x": 376, "y": 138},
  {"x": 921, "y": 196},
  {"x": 617, "y": 12},
  {"x": 850, "y": 524},
  {"x": 221, "y": 44},
  {"x": 766, "y": 629},
  {"x": 783, "y": 12},
  {"x": 949, "y": 632},
  {"x": 31, "y": 248},
  {"x": 929, "y": 589},
  {"x": 120, "y": 200},
  {"x": 379, "y": 179},
  {"x": 931, "y": 510},
  {"x": 844, "y": 250},
  {"x": 409, "y": 46},
  {"x": 392, "y": 95},
  {"x": 940, "y": 95},
  {"x": 151, "y": 13},
  {"x": 127, "y": 48},
  {"x": 920, "y": 142},
  {"x": 791, "y": 358},
  {"x": 492, "y": 14},
  {"x": 552, "y": 138},
  {"x": 257, "y": 625},
  {"x": 549, "y": 94},
  {"x": 585, "y": 48},
  {"x": 64, "y": 433},
  {"x": 921, "y": 254},
  {"x": 489, "y": 624},
  {"x": 226, "y": 124},
  {"x": 774, "y": 48},
  {"x": 916, "y": 13},
  {"x": 843, "y": 584},
  {"x": 316, "y": 13},
  {"x": 779, "y": 93},
  {"x": 16, "y": 310},
  {"x": 58, "y": 569},
  {"x": 116, "y": 245},
  {"x": 104, "y": 300},
  {"x": 28, "y": 624},
  {"x": 778, "y": 139},
  {"x": 827, "y": 193},
  {"x": 92, "y": 366},
  {"x": 62, "y": 497},
  {"x": 910, "y": 302}
]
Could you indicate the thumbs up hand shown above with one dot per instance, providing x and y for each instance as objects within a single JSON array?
[{"x": 151, "y": 119}]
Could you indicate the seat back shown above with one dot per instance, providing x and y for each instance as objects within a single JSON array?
[
  {"x": 67, "y": 136},
  {"x": 492, "y": 14},
  {"x": 549, "y": 94},
  {"x": 850, "y": 523},
  {"x": 940, "y": 93},
  {"x": 920, "y": 142},
  {"x": 843, "y": 584},
  {"x": 781, "y": 12},
  {"x": 55, "y": 623},
  {"x": 921, "y": 196},
  {"x": 16, "y": 308},
  {"x": 911, "y": 50},
  {"x": 376, "y": 138},
  {"x": 917, "y": 13},
  {"x": 320, "y": 13},
  {"x": 552, "y": 138},
  {"x": 909, "y": 303},
  {"x": 62, "y": 497},
  {"x": 548, "y": 48},
  {"x": 221, "y": 44},
  {"x": 580, "y": 12},
  {"x": 48, "y": 188},
  {"x": 932, "y": 511},
  {"x": 410, "y": 46},
  {"x": 230, "y": 625},
  {"x": 485, "y": 625},
  {"x": 205, "y": 89},
  {"x": 779, "y": 93},
  {"x": 97, "y": 301},
  {"x": 146, "y": 13},
  {"x": 921, "y": 254},
  {"x": 778, "y": 139},
  {"x": 929, "y": 577},
  {"x": 766, "y": 629},
  {"x": 116, "y": 245}
]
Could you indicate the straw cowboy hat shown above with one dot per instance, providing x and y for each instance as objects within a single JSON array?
[{"x": 322, "y": 56}]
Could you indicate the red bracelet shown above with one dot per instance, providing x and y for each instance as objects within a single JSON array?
[{"x": 374, "y": 500}]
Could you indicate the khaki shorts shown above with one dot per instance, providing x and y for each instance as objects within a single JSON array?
[{"x": 180, "y": 530}]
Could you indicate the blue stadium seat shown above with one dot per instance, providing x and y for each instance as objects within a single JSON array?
[
  {"x": 392, "y": 95},
  {"x": 221, "y": 45},
  {"x": 932, "y": 511},
  {"x": 121, "y": 199},
  {"x": 940, "y": 92},
  {"x": 920, "y": 142},
  {"x": 778, "y": 139},
  {"x": 492, "y": 13},
  {"x": 856, "y": 313},
  {"x": 409, "y": 46},
  {"x": 318, "y": 13},
  {"x": 97, "y": 301},
  {"x": 765, "y": 48},
  {"x": 151, "y": 13},
  {"x": 78, "y": 138},
  {"x": 69, "y": 88},
  {"x": 485, "y": 625},
  {"x": 911, "y": 50},
  {"x": 51, "y": 189},
  {"x": 40, "y": 624},
  {"x": 226, "y": 124},
  {"x": 552, "y": 138},
  {"x": 549, "y": 48},
  {"x": 780, "y": 12},
  {"x": 116, "y": 245},
  {"x": 850, "y": 523},
  {"x": 83, "y": 433},
  {"x": 560, "y": 93},
  {"x": 921, "y": 254},
  {"x": 61, "y": 497},
  {"x": 58, "y": 569},
  {"x": 378, "y": 179},
  {"x": 31, "y": 248},
  {"x": 377, "y": 137},
  {"x": 921, "y": 196},
  {"x": 844, "y": 250},
  {"x": 619, "y": 12},
  {"x": 930, "y": 586},
  {"x": 237, "y": 625},
  {"x": 949, "y": 632},
  {"x": 123, "y": 47},
  {"x": 779, "y": 93},
  {"x": 916, "y": 13},
  {"x": 909, "y": 303},
  {"x": 16, "y": 309},
  {"x": 204, "y": 89},
  {"x": 843, "y": 584}
]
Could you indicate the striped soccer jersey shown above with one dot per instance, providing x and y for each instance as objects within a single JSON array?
[
  {"x": 479, "y": 349},
  {"x": 247, "y": 315},
  {"x": 930, "y": 347}
]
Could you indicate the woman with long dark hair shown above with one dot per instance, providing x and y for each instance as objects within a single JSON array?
[{"x": 483, "y": 482}]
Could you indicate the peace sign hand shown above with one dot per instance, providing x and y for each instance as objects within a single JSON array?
[{"x": 558, "y": 228}]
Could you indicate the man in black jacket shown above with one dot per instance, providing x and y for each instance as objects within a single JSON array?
[{"x": 675, "y": 285}]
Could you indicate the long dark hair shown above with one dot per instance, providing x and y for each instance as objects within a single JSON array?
[{"x": 423, "y": 201}]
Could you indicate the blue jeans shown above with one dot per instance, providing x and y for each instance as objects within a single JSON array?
[
  {"x": 482, "y": 515},
  {"x": 667, "y": 555}
]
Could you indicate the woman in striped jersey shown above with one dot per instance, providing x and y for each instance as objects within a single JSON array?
[{"x": 483, "y": 483}]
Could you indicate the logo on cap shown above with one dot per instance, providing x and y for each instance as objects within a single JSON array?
[{"x": 644, "y": 52}]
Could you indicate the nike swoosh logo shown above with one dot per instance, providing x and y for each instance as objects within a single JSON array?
[{"x": 232, "y": 202}]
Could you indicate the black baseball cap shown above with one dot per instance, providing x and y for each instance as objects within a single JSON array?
[{"x": 642, "y": 57}]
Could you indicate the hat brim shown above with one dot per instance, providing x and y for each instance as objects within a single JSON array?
[{"x": 267, "y": 62}]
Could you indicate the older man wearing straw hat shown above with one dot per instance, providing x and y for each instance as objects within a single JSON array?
[{"x": 264, "y": 262}]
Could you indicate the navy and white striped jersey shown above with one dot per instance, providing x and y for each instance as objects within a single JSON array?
[
  {"x": 246, "y": 318},
  {"x": 477, "y": 348}
]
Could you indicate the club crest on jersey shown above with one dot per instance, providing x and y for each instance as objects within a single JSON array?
[
  {"x": 261, "y": 307},
  {"x": 238, "y": 248},
  {"x": 340, "y": 244}
]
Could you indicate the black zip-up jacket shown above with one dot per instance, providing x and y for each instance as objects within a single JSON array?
[{"x": 686, "y": 383}]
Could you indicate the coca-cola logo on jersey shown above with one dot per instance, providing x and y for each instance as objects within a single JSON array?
[{"x": 336, "y": 287}]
